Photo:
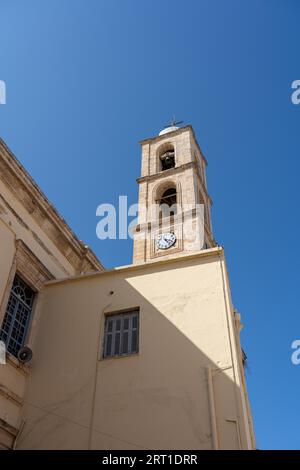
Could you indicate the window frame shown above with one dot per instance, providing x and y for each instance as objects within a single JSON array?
[
  {"x": 19, "y": 302},
  {"x": 122, "y": 330}
]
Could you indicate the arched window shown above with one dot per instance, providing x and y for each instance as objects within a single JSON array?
[
  {"x": 17, "y": 316},
  {"x": 168, "y": 202},
  {"x": 169, "y": 197},
  {"x": 167, "y": 158}
]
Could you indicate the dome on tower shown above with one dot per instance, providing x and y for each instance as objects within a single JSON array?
[{"x": 168, "y": 129}]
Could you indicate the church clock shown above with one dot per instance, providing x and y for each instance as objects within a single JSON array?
[{"x": 165, "y": 240}]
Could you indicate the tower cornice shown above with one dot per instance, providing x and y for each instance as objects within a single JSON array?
[
  {"x": 173, "y": 171},
  {"x": 178, "y": 131}
]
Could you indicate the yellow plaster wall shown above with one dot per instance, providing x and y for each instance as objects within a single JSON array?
[{"x": 157, "y": 399}]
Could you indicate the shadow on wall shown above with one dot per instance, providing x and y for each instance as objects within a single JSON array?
[{"x": 168, "y": 396}]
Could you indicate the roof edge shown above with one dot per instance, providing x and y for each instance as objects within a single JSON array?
[
  {"x": 219, "y": 250},
  {"x": 39, "y": 198}
]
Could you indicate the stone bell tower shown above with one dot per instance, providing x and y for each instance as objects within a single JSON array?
[{"x": 174, "y": 206}]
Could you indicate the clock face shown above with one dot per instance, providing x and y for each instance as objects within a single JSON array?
[{"x": 165, "y": 240}]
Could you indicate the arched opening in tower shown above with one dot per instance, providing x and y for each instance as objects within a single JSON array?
[
  {"x": 167, "y": 159},
  {"x": 168, "y": 202}
]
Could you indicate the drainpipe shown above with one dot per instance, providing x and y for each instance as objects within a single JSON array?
[{"x": 212, "y": 407}]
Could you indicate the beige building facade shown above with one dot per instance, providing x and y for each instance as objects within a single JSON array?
[
  {"x": 144, "y": 356},
  {"x": 36, "y": 245}
]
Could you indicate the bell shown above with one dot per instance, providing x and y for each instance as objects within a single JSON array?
[{"x": 168, "y": 162}]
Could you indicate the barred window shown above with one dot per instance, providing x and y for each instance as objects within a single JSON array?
[
  {"x": 121, "y": 336},
  {"x": 15, "y": 323}
]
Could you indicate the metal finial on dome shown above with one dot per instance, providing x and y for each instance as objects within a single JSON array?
[
  {"x": 173, "y": 123},
  {"x": 171, "y": 127}
]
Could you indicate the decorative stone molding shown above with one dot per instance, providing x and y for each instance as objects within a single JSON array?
[
  {"x": 166, "y": 173},
  {"x": 29, "y": 266},
  {"x": 174, "y": 171},
  {"x": 8, "y": 434},
  {"x": 26, "y": 191}
]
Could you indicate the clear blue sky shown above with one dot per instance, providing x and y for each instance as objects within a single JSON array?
[{"x": 86, "y": 80}]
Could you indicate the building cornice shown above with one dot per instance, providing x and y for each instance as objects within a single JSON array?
[
  {"x": 211, "y": 252},
  {"x": 28, "y": 193}
]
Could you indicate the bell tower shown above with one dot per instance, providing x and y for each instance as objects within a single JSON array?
[{"x": 174, "y": 205}]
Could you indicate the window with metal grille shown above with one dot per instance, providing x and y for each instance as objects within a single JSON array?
[
  {"x": 16, "y": 320},
  {"x": 121, "y": 336}
]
